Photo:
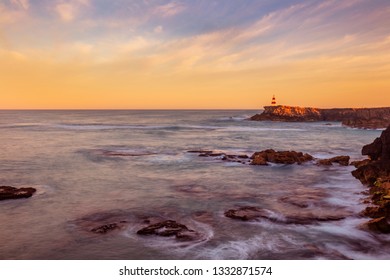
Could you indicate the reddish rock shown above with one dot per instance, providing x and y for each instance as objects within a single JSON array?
[
  {"x": 342, "y": 160},
  {"x": 7, "y": 192},
  {"x": 359, "y": 163},
  {"x": 282, "y": 157},
  {"x": 370, "y": 172}
]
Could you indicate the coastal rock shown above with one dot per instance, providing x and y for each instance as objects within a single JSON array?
[
  {"x": 360, "y": 118},
  {"x": 380, "y": 225},
  {"x": 244, "y": 159},
  {"x": 283, "y": 157},
  {"x": 369, "y": 173},
  {"x": 7, "y": 192},
  {"x": 376, "y": 173},
  {"x": 247, "y": 213},
  {"x": 251, "y": 213},
  {"x": 359, "y": 163},
  {"x": 288, "y": 113},
  {"x": 380, "y": 148},
  {"x": 170, "y": 228},
  {"x": 342, "y": 160},
  {"x": 107, "y": 228}
]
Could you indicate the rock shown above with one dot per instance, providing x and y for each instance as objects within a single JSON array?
[
  {"x": 247, "y": 213},
  {"x": 342, "y": 160},
  {"x": 223, "y": 156},
  {"x": 200, "y": 152},
  {"x": 259, "y": 160},
  {"x": 369, "y": 173},
  {"x": 105, "y": 228},
  {"x": 359, "y": 163},
  {"x": 373, "y": 212},
  {"x": 380, "y": 225},
  {"x": 359, "y": 118},
  {"x": 251, "y": 213},
  {"x": 283, "y": 157},
  {"x": 169, "y": 228},
  {"x": 7, "y": 192},
  {"x": 373, "y": 150}
]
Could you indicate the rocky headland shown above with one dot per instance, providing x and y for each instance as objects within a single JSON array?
[
  {"x": 371, "y": 118},
  {"x": 375, "y": 173}
]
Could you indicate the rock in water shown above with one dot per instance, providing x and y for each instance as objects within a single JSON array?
[
  {"x": 342, "y": 160},
  {"x": 170, "y": 228},
  {"x": 247, "y": 213},
  {"x": 105, "y": 228},
  {"x": 7, "y": 192},
  {"x": 376, "y": 173},
  {"x": 282, "y": 157}
]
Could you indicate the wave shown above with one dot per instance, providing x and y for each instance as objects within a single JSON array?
[{"x": 133, "y": 127}]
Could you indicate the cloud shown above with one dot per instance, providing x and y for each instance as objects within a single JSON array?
[
  {"x": 68, "y": 10},
  {"x": 169, "y": 10},
  {"x": 24, "y": 4},
  {"x": 158, "y": 29}
]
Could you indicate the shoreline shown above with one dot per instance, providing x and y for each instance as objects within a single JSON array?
[{"x": 365, "y": 118}]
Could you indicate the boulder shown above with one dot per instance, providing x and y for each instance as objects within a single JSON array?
[
  {"x": 7, "y": 192},
  {"x": 380, "y": 148},
  {"x": 282, "y": 157},
  {"x": 359, "y": 163},
  {"x": 247, "y": 213},
  {"x": 371, "y": 172},
  {"x": 170, "y": 228},
  {"x": 380, "y": 225},
  {"x": 342, "y": 160}
]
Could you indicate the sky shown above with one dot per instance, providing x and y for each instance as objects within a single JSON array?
[{"x": 203, "y": 54}]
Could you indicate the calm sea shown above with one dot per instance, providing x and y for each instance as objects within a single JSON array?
[{"x": 94, "y": 167}]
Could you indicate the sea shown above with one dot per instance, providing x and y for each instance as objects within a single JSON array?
[{"x": 132, "y": 167}]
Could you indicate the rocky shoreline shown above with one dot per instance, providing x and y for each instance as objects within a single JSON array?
[
  {"x": 375, "y": 173},
  {"x": 369, "y": 118}
]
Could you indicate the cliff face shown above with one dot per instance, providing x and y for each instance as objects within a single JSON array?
[{"x": 360, "y": 118}]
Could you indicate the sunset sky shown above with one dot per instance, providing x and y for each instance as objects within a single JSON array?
[{"x": 203, "y": 54}]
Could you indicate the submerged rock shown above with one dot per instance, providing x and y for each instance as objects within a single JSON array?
[
  {"x": 7, "y": 192},
  {"x": 282, "y": 157},
  {"x": 252, "y": 213},
  {"x": 247, "y": 213},
  {"x": 105, "y": 228},
  {"x": 170, "y": 228},
  {"x": 342, "y": 160},
  {"x": 244, "y": 159}
]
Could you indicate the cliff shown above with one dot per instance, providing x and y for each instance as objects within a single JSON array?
[{"x": 359, "y": 118}]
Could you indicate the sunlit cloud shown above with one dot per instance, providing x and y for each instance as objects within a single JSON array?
[
  {"x": 169, "y": 10},
  {"x": 25, "y": 4},
  {"x": 68, "y": 10}
]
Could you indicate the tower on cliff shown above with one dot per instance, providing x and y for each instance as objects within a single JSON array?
[{"x": 273, "y": 103}]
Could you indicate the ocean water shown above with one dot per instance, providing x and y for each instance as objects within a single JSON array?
[{"x": 92, "y": 168}]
